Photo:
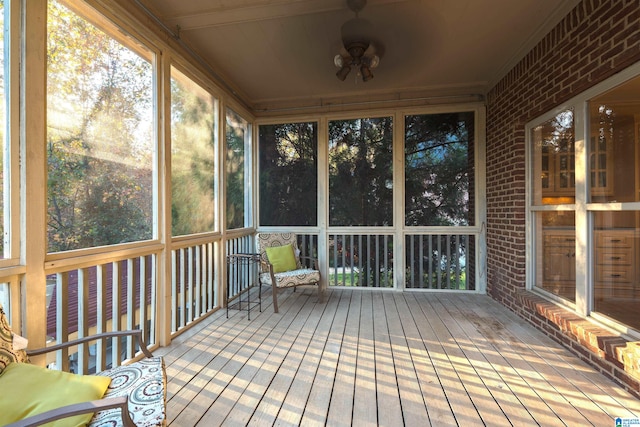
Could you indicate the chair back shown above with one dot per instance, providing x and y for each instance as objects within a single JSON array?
[
  {"x": 267, "y": 240},
  {"x": 7, "y": 353}
]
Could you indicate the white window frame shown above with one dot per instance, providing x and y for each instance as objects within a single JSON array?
[{"x": 583, "y": 209}]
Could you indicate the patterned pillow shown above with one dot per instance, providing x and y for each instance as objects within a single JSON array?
[
  {"x": 144, "y": 382},
  {"x": 7, "y": 353}
]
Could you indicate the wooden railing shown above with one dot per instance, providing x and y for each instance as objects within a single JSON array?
[
  {"x": 193, "y": 285},
  {"x": 110, "y": 296},
  {"x": 362, "y": 260},
  {"x": 439, "y": 261},
  {"x": 240, "y": 276}
]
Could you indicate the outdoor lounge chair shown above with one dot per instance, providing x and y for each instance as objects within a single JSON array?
[
  {"x": 281, "y": 265},
  {"x": 135, "y": 393}
]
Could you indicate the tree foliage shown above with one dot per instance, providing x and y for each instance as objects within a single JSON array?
[
  {"x": 193, "y": 147},
  {"x": 439, "y": 169},
  {"x": 288, "y": 174},
  {"x": 235, "y": 135},
  {"x": 361, "y": 172},
  {"x": 99, "y": 146}
]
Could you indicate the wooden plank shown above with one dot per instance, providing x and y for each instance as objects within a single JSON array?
[
  {"x": 435, "y": 335},
  {"x": 449, "y": 333},
  {"x": 253, "y": 355},
  {"x": 264, "y": 366},
  {"x": 504, "y": 382},
  {"x": 594, "y": 396},
  {"x": 271, "y": 404},
  {"x": 388, "y": 397},
  {"x": 296, "y": 401},
  {"x": 437, "y": 406},
  {"x": 317, "y": 408},
  {"x": 341, "y": 404},
  {"x": 365, "y": 411},
  {"x": 412, "y": 404},
  {"x": 191, "y": 372},
  {"x": 442, "y": 359}
]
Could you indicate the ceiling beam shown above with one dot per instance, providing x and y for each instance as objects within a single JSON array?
[{"x": 258, "y": 10}]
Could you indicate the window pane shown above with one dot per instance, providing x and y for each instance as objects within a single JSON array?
[
  {"x": 616, "y": 276},
  {"x": 439, "y": 169},
  {"x": 556, "y": 256},
  {"x": 554, "y": 174},
  {"x": 238, "y": 146},
  {"x": 4, "y": 183},
  {"x": 614, "y": 140},
  {"x": 288, "y": 174},
  {"x": 361, "y": 172},
  {"x": 193, "y": 147},
  {"x": 100, "y": 136}
]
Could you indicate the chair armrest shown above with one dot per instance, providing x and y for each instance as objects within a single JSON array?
[
  {"x": 135, "y": 333},
  {"x": 77, "y": 409},
  {"x": 314, "y": 261},
  {"x": 266, "y": 266}
]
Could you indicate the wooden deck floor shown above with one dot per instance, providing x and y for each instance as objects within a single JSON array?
[{"x": 382, "y": 358}]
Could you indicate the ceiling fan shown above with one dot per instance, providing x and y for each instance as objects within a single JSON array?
[{"x": 357, "y": 40}]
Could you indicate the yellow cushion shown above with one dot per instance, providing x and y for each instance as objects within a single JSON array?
[
  {"x": 282, "y": 258},
  {"x": 30, "y": 390}
]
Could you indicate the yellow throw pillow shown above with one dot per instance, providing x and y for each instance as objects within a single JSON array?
[
  {"x": 282, "y": 258},
  {"x": 30, "y": 390}
]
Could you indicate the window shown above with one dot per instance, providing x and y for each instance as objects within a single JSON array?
[
  {"x": 613, "y": 170},
  {"x": 439, "y": 169},
  {"x": 585, "y": 189},
  {"x": 5, "y": 170},
  {"x": 554, "y": 180},
  {"x": 288, "y": 174},
  {"x": 361, "y": 172},
  {"x": 238, "y": 140},
  {"x": 193, "y": 150},
  {"x": 100, "y": 135}
]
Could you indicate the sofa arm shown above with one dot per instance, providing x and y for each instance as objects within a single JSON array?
[
  {"x": 135, "y": 333},
  {"x": 77, "y": 409}
]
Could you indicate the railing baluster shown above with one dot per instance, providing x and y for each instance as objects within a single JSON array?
[
  {"x": 101, "y": 313},
  {"x": 174, "y": 292},
  {"x": 151, "y": 337},
  {"x": 62, "y": 318},
  {"x": 83, "y": 318},
  {"x": 142, "y": 305},
  {"x": 431, "y": 261},
  {"x": 352, "y": 265},
  {"x": 198, "y": 284},
  {"x": 448, "y": 264},
  {"x": 131, "y": 298},
  {"x": 183, "y": 294},
  {"x": 116, "y": 311}
]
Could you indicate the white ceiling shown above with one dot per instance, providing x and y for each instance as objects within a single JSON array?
[{"x": 278, "y": 54}]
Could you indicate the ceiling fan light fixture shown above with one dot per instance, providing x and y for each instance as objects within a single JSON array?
[
  {"x": 372, "y": 61},
  {"x": 343, "y": 72},
  {"x": 357, "y": 35},
  {"x": 366, "y": 73}
]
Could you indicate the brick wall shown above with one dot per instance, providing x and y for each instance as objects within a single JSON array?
[{"x": 596, "y": 40}]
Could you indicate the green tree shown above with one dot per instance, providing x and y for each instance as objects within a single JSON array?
[
  {"x": 289, "y": 174},
  {"x": 235, "y": 177},
  {"x": 439, "y": 169},
  {"x": 193, "y": 169},
  {"x": 99, "y": 154},
  {"x": 361, "y": 172}
]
